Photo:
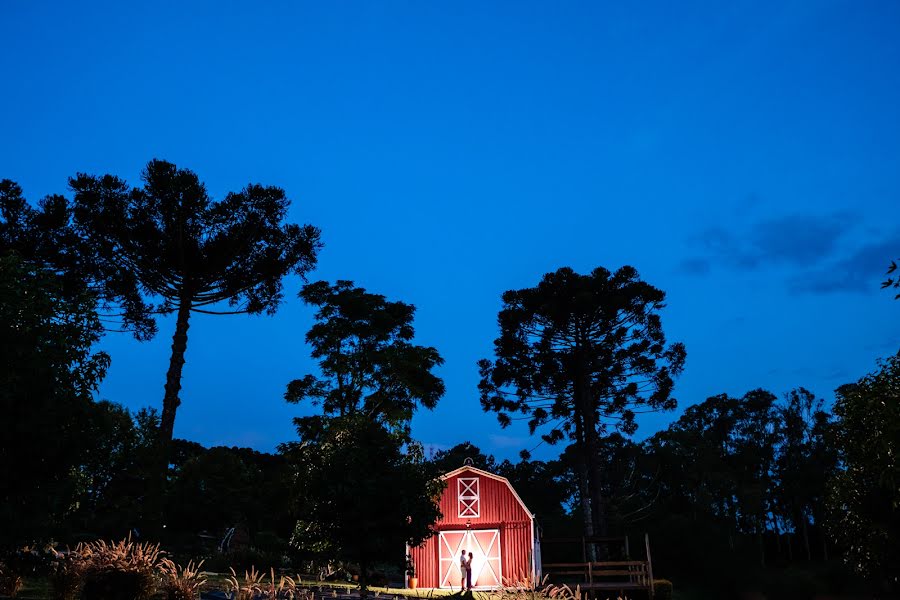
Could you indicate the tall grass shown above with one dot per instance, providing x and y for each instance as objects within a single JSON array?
[
  {"x": 182, "y": 583},
  {"x": 254, "y": 586},
  {"x": 121, "y": 570}
]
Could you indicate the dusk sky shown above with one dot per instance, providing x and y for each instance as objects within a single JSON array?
[{"x": 743, "y": 156}]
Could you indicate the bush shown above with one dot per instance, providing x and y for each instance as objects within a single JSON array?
[
  {"x": 67, "y": 570},
  {"x": 182, "y": 583},
  {"x": 270, "y": 542},
  {"x": 120, "y": 571},
  {"x": 253, "y": 585},
  {"x": 18, "y": 564},
  {"x": 115, "y": 584},
  {"x": 10, "y": 581},
  {"x": 662, "y": 589}
]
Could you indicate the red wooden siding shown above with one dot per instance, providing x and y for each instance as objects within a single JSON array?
[
  {"x": 517, "y": 545},
  {"x": 500, "y": 509},
  {"x": 426, "y": 559}
]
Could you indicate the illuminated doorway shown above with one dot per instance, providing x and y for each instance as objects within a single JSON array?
[{"x": 484, "y": 544}]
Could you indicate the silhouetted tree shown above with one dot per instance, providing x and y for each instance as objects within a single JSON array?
[
  {"x": 577, "y": 353},
  {"x": 48, "y": 238},
  {"x": 190, "y": 253},
  {"x": 362, "y": 493},
  {"x": 865, "y": 494},
  {"x": 543, "y": 489},
  {"x": 48, "y": 371},
  {"x": 114, "y": 470},
  {"x": 223, "y": 487},
  {"x": 368, "y": 363},
  {"x": 804, "y": 462},
  {"x": 623, "y": 486},
  {"x": 445, "y": 461},
  {"x": 891, "y": 281}
]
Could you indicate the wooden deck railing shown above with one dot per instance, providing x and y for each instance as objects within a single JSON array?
[{"x": 605, "y": 575}]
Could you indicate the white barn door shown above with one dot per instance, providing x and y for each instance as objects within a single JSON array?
[{"x": 484, "y": 544}]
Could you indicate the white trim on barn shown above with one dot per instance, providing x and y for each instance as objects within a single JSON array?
[
  {"x": 468, "y": 498},
  {"x": 492, "y": 476}
]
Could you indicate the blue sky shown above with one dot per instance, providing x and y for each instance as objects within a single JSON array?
[{"x": 744, "y": 156}]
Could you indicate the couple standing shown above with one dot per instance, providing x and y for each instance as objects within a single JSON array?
[{"x": 465, "y": 571}]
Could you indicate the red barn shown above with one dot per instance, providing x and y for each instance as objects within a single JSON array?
[{"x": 484, "y": 515}]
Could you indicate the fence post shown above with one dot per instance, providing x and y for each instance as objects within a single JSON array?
[{"x": 649, "y": 562}]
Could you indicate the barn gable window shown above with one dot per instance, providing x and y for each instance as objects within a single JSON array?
[{"x": 469, "y": 497}]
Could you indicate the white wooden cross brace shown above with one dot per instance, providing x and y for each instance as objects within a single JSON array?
[{"x": 468, "y": 497}]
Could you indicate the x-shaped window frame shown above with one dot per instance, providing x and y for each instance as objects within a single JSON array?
[{"x": 469, "y": 506}]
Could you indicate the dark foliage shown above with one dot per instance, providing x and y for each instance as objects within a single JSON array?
[
  {"x": 48, "y": 370},
  {"x": 227, "y": 487},
  {"x": 369, "y": 365},
  {"x": 363, "y": 488},
  {"x": 361, "y": 493},
  {"x": 892, "y": 281},
  {"x": 190, "y": 253},
  {"x": 445, "y": 461},
  {"x": 576, "y": 354},
  {"x": 865, "y": 494},
  {"x": 48, "y": 238}
]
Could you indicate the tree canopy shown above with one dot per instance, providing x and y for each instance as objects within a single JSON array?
[
  {"x": 48, "y": 238},
  {"x": 190, "y": 253},
  {"x": 892, "y": 280},
  {"x": 578, "y": 353},
  {"x": 368, "y": 362},
  {"x": 865, "y": 495},
  {"x": 48, "y": 371},
  {"x": 362, "y": 493}
]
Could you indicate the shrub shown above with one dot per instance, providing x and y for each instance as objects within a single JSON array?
[
  {"x": 525, "y": 587},
  {"x": 182, "y": 583},
  {"x": 272, "y": 543},
  {"x": 67, "y": 570},
  {"x": 120, "y": 571},
  {"x": 410, "y": 566},
  {"x": 254, "y": 587},
  {"x": 27, "y": 561},
  {"x": 18, "y": 564},
  {"x": 662, "y": 589},
  {"x": 10, "y": 581},
  {"x": 116, "y": 584}
]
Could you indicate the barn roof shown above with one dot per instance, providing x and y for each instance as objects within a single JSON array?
[{"x": 490, "y": 475}]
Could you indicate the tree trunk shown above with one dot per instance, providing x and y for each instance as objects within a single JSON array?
[
  {"x": 598, "y": 502},
  {"x": 762, "y": 549},
  {"x": 592, "y": 451},
  {"x": 173, "y": 376},
  {"x": 595, "y": 476},
  {"x": 583, "y": 488},
  {"x": 777, "y": 537},
  {"x": 790, "y": 548},
  {"x": 805, "y": 531},
  {"x": 155, "y": 500},
  {"x": 582, "y": 475}
]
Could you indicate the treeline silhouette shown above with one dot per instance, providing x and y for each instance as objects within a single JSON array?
[{"x": 789, "y": 495}]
